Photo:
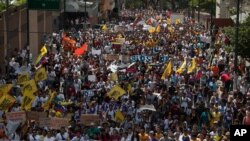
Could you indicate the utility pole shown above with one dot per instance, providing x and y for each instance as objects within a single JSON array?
[
  {"x": 199, "y": 10},
  {"x": 236, "y": 45},
  {"x": 7, "y": 32},
  {"x": 85, "y": 11},
  {"x": 28, "y": 34}
]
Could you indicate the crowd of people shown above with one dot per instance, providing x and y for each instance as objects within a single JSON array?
[{"x": 178, "y": 84}]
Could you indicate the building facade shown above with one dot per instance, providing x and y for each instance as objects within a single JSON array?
[{"x": 227, "y": 8}]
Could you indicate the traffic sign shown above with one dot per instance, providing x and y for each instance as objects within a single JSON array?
[{"x": 44, "y": 4}]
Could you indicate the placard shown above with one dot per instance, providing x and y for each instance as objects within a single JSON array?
[
  {"x": 96, "y": 52},
  {"x": 89, "y": 119},
  {"x": 34, "y": 115},
  {"x": 92, "y": 78},
  {"x": 58, "y": 123},
  {"x": 16, "y": 116},
  {"x": 111, "y": 57},
  {"x": 120, "y": 40},
  {"x": 44, "y": 122}
]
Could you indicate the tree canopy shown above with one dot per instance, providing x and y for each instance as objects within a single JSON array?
[{"x": 244, "y": 40}]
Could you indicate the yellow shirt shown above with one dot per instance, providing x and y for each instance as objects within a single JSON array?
[
  {"x": 143, "y": 137},
  {"x": 158, "y": 135}
]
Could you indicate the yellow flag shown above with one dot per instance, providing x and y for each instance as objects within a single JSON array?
[
  {"x": 40, "y": 75},
  {"x": 46, "y": 105},
  {"x": 43, "y": 50},
  {"x": 22, "y": 78},
  {"x": 116, "y": 92},
  {"x": 6, "y": 102},
  {"x": 4, "y": 89},
  {"x": 29, "y": 87},
  {"x": 114, "y": 76},
  {"x": 119, "y": 116},
  {"x": 104, "y": 27},
  {"x": 192, "y": 66},
  {"x": 170, "y": 29},
  {"x": 158, "y": 29},
  {"x": 177, "y": 21},
  {"x": 167, "y": 70},
  {"x": 27, "y": 101},
  {"x": 130, "y": 90},
  {"x": 183, "y": 66},
  {"x": 169, "y": 21},
  {"x": 151, "y": 30}
]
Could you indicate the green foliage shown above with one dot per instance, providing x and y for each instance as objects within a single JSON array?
[
  {"x": 19, "y": 2},
  {"x": 204, "y": 5},
  {"x": 16, "y": 3},
  {"x": 134, "y": 4},
  {"x": 2, "y": 7},
  {"x": 244, "y": 40}
]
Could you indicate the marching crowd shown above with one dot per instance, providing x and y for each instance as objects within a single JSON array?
[{"x": 176, "y": 85}]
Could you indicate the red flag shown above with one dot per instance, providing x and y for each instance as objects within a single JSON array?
[
  {"x": 81, "y": 50},
  {"x": 198, "y": 75}
]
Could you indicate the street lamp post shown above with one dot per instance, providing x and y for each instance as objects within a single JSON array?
[{"x": 236, "y": 44}]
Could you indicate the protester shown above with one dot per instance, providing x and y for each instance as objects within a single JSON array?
[{"x": 148, "y": 78}]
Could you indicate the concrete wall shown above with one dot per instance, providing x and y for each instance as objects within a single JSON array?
[
  {"x": 13, "y": 31},
  {"x": 41, "y": 23},
  {"x": 223, "y": 7}
]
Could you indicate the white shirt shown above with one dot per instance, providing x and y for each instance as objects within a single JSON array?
[
  {"x": 49, "y": 138},
  {"x": 62, "y": 137}
]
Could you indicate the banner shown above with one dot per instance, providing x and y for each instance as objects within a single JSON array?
[
  {"x": 163, "y": 59},
  {"x": 116, "y": 92},
  {"x": 124, "y": 58},
  {"x": 16, "y": 116},
  {"x": 22, "y": 78},
  {"x": 89, "y": 119},
  {"x": 34, "y": 115},
  {"x": 142, "y": 58},
  {"x": 4, "y": 89},
  {"x": 58, "y": 123},
  {"x": 40, "y": 75},
  {"x": 6, "y": 101},
  {"x": 44, "y": 122}
]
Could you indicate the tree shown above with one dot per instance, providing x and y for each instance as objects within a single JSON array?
[
  {"x": 142, "y": 3},
  {"x": 204, "y": 5},
  {"x": 244, "y": 40}
]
